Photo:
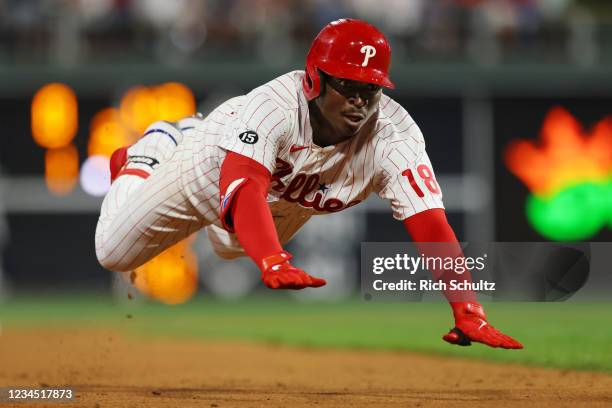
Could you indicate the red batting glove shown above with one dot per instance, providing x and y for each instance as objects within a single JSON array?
[
  {"x": 278, "y": 273},
  {"x": 471, "y": 325}
]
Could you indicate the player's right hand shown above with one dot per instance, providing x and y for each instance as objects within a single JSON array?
[{"x": 278, "y": 273}]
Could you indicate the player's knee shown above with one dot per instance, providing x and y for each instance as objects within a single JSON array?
[
  {"x": 115, "y": 263},
  {"x": 106, "y": 260},
  {"x": 111, "y": 259}
]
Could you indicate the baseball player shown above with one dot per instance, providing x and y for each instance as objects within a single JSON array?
[{"x": 255, "y": 170}]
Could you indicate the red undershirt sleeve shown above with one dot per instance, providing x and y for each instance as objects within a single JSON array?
[
  {"x": 432, "y": 226},
  {"x": 246, "y": 211}
]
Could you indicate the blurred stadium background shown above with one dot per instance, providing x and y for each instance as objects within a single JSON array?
[{"x": 79, "y": 78}]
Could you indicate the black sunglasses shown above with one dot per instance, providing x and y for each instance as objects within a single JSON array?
[{"x": 349, "y": 87}]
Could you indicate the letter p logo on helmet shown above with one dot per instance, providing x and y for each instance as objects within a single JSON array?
[
  {"x": 369, "y": 52},
  {"x": 349, "y": 49}
]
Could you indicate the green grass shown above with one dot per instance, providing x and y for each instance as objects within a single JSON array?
[{"x": 563, "y": 335}]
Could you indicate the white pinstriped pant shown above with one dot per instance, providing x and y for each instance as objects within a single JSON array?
[{"x": 140, "y": 218}]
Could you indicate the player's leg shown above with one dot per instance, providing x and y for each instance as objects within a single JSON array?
[
  {"x": 146, "y": 210},
  {"x": 224, "y": 244}
]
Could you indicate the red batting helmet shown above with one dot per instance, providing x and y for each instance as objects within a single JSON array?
[{"x": 350, "y": 49}]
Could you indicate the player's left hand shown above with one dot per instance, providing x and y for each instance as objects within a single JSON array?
[
  {"x": 471, "y": 325},
  {"x": 278, "y": 273}
]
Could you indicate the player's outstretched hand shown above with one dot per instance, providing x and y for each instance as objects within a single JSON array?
[
  {"x": 471, "y": 325},
  {"x": 278, "y": 273}
]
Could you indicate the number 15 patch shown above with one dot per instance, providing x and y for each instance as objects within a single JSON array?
[{"x": 248, "y": 137}]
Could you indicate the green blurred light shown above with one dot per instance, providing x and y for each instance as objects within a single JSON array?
[
  {"x": 609, "y": 203},
  {"x": 573, "y": 214}
]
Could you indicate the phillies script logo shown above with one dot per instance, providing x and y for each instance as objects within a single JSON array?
[{"x": 301, "y": 186}]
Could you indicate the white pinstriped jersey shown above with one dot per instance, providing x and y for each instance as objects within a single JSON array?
[{"x": 271, "y": 125}]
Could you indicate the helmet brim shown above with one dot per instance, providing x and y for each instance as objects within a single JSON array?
[{"x": 361, "y": 74}]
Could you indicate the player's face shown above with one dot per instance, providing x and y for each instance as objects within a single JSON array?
[{"x": 348, "y": 105}]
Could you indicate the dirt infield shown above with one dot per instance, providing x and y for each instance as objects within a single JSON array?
[{"x": 109, "y": 369}]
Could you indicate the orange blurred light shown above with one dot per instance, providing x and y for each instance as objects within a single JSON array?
[
  {"x": 54, "y": 115},
  {"x": 171, "y": 277},
  {"x": 141, "y": 106},
  {"x": 138, "y": 108},
  {"x": 566, "y": 157},
  {"x": 107, "y": 133},
  {"x": 174, "y": 101},
  {"x": 61, "y": 169}
]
